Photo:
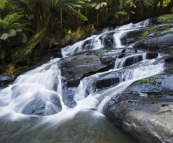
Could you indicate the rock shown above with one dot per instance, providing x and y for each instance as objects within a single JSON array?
[
  {"x": 36, "y": 102},
  {"x": 152, "y": 55},
  {"x": 169, "y": 60},
  {"x": 145, "y": 108},
  {"x": 143, "y": 117},
  {"x": 155, "y": 43},
  {"x": 131, "y": 37},
  {"x": 5, "y": 80},
  {"x": 87, "y": 45},
  {"x": 55, "y": 50},
  {"x": 132, "y": 60},
  {"x": 107, "y": 81},
  {"x": 158, "y": 83},
  {"x": 108, "y": 39},
  {"x": 76, "y": 67},
  {"x": 107, "y": 59},
  {"x": 68, "y": 97}
]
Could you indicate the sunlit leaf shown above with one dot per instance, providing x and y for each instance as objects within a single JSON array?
[{"x": 4, "y": 36}]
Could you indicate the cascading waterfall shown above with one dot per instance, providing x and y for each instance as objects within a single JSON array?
[
  {"x": 36, "y": 96},
  {"x": 38, "y": 87},
  {"x": 120, "y": 62},
  {"x": 94, "y": 42}
]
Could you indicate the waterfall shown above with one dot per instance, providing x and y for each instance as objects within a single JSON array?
[
  {"x": 94, "y": 42},
  {"x": 34, "y": 103},
  {"x": 120, "y": 62},
  {"x": 125, "y": 76},
  {"x": 35, "y": 92}
]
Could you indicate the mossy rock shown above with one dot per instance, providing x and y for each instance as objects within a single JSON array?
[
  {"x": 155, "y": 30},
  {"x": 165, "y": 18}
]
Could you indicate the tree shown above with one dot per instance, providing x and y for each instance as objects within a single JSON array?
[{"x": 45, "y": 16}]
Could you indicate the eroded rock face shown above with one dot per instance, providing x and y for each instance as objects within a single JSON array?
[
  {"x": 155, "y": 43},
  {"x": 147, "y": 119}
]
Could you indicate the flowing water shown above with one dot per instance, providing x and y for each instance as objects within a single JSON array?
[{"x": 32, "y": 109}]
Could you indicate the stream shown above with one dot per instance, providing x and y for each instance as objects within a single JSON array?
[{"x": 32, "y": 108}]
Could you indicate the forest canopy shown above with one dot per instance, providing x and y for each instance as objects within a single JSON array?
[{"x": 27, "y": 24}]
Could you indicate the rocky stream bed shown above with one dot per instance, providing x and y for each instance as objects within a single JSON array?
[{"x": 126, "y": 73}]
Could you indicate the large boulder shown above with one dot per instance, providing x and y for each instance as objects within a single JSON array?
[
  {"x": 145, "y": 108},
  {"x": 79, "y": 66},
  {"x": 131, "y": 37},
  {"x": 147, "y": 119},
  {"x": 155, "y": 43}
]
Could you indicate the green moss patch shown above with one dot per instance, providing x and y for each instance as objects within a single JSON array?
[
  {"x": 165, "y": 18},
  {"x": 155, "y": 30}
]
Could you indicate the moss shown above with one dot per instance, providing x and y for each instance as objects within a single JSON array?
[
  {"x": 167, "y": 50},
  {"x": 165, "y": 18},
  {"x": 143, "y": 81},
  {"x": 145, "y": 33},
  {"x": 150, "y": 80},
  {"x": 155, "y": 30},
  {"x": 95, "y": 69}
]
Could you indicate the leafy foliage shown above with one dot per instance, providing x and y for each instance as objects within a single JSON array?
[{"x": 24, "y": 24}]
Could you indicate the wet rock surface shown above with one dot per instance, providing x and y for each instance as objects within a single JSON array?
[
  {"x": 131, "y": 37},
  {"x": 5, "y": 80},
  {"x": 145, "y": 109},
  {"x": 42, "y": 103},
  {"x": 75, "y": 68},
  {"x": 155, "y": 43},
  {"x": 108, "y": 39},
  {"x": 147, "y": 119}
]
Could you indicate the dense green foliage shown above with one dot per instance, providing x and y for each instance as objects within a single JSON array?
[{"x": 25, "y": 24}]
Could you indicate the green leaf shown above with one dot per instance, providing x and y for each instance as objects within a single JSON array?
[
  {"x": 11, "y": 32},
  {"x": 2, "y": 4},
  {"x": 3, "y": 24},
  {"x": 22, "y": 37},
  {"x": 98, "y": 6},
  {"x": 94, "y": 4},
  {"x": 15, "y": 25},
  {"x": 11, "y": 18},
  {"x": 77, "y": 13}
]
